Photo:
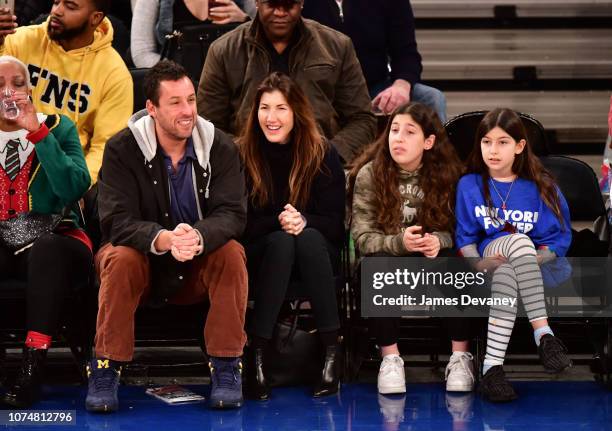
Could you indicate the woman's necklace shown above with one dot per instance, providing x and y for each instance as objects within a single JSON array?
[{"x": 499, "y": 194}]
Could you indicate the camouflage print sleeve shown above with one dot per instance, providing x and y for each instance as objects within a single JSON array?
[
  {"x": 446, "y": 240},
  {"x": 369, "y": 239}
]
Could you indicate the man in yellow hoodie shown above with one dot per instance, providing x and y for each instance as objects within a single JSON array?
[{"x": 74, "y": 70}]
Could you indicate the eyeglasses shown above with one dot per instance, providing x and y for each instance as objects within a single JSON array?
[{"x": 275, "y": 4}]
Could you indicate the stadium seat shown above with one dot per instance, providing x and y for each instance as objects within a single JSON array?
[
  {"x": 139, "y": 95},
  {"x": 462, "y": 131},
  {"x": 579, "y": 185}
]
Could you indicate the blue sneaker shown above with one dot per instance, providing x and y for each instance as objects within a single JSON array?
[
  {"x": 226, "y": 377},
  {"x": 103, "y": 386}
]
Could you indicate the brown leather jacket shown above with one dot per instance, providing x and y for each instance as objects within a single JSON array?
[{"x": 322, "y": 62}]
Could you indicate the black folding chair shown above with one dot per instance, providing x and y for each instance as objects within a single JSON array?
[
  {"x": 579, "y": 185},
  {"x": 139, "y": 95},
  {"x": 461, "y": 131}
]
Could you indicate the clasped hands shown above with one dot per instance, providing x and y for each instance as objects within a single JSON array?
[
  {"x": 427, "y": 244},
  {"x": 183, "y": 242},
  {"x": 291, "y": 220}
]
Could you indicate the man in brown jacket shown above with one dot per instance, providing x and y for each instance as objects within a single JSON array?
[{"x": 321, "y": 60}]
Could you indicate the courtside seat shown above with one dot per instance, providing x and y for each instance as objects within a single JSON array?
[{"x": 461, "y": 131}]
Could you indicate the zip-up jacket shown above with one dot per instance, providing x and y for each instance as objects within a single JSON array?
[
  {"x": 134, "y": 199},
  {"x": 322, "y": 62}
]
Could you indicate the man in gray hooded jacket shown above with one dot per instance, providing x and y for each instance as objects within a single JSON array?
[{"x": 172, "y": 202}]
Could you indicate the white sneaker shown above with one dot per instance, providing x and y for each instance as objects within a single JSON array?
[
  {"x": 391, "y": 376},
  {"x": 460, "y": 373}
]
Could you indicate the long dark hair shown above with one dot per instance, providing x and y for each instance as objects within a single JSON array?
[
  {"x": 440, "y": 171},
  {"x": 526, "y": 165},
  {"x": 309, "y": 145}
]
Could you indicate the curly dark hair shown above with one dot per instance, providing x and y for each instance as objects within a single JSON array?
[{"x": 440, "y": 171}]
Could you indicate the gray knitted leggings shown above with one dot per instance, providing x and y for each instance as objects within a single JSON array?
[{"x": 520, "y": 276}]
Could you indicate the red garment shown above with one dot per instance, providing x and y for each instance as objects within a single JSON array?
[
  {"x": 78, "y": 234},
  {"x": 14, "y": 197},
  {"x": 36, "y": 340},
  {"x": 38, "y": 135}
]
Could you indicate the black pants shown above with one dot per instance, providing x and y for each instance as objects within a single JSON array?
[
  {"x": 53, "y": 267},
  {"x": 386, "y": 329},
  {"x": 276, "y": 259}
]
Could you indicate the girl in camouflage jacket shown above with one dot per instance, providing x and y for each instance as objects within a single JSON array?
[{"x": 402, "y": 190}]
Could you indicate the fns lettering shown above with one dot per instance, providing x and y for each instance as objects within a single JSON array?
[{"x": 55, "y": 91}]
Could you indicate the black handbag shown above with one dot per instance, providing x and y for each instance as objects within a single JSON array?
[
  {"x": 20, "y": 232},
  {"x": 189, "y": 46},
  {"x": 294, "y": 356}
]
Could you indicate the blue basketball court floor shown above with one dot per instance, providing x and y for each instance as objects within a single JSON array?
[{"x": 542, "y": 406}]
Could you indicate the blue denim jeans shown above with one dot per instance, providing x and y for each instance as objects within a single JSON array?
[{"x": 422, "y": 93}]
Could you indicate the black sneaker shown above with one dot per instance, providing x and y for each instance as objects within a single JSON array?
[
  {"x": 495, "y": 388},
  {"x": 103, "y": 385},
  {"x": 226, "y": 382},
  {"x": 553, "y": 354}
]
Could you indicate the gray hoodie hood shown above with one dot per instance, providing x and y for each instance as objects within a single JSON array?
[{"x": 143, "y": 127}]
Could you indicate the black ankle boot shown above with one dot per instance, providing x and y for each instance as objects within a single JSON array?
[
  {"x": 257, "y": 385},
  {"x": 330, "y": 376},
  {"x": 26, "y": 389}
]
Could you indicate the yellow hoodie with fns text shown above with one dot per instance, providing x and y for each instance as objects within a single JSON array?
[{"x": 90, "y": 85}]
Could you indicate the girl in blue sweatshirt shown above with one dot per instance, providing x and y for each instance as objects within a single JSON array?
[{"x": 512, "y": 216}]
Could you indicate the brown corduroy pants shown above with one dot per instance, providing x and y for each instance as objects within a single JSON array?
[{"x": 219, "y": 277}]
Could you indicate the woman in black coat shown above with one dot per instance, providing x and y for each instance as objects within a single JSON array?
[{"x": 294, "y": 221}]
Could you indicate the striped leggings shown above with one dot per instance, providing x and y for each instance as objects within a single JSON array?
[{"x": 519, "y": 276}]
